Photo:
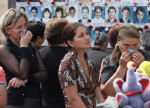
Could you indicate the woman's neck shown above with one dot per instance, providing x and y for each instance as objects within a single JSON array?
[
  {"x": 80, "y": 54},
  {"x": 16, "y": 42}
]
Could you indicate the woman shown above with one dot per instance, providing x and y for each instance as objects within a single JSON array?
[
  {"x": 115, "y": 65},
  {"x": 77, "y": 74},
  {"x": 46, "y": 15},
  {"x": 59, "y": 13},
  {"x": 98, "y": 15},
  {"x": 97, "y": 53},
  {"x": 21, "y": 61},
  {"x": 51, "y": 92}
]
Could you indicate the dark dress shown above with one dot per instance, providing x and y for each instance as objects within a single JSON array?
[
  {"x": 51, "y": 90},
  {"x": 71, "y": 73},
  {"x": 31, "y": 61}
]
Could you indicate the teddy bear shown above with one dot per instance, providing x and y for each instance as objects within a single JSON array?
[{"x": 132, "y": 93}]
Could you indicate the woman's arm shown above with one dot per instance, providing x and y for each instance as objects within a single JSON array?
[
  {"x": 73, "y": 98},
  {"x": 99, "y": 95},
  {"x": 3, "y": 96},
  {"x": 107, "y": 89}
]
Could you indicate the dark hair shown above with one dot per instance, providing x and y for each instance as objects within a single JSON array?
[
  {"x": 37, "y": 29},
  {"x": 98, "y": 7},
  {"x": 85, "y": 7},
  {"x": 59, "y": 9},
  {"x": 139, "y": 9},
  {"x": 140, "y": 29},
  {"x": 97, "y": 29},
  {"x": 34, "y": 8},
  {"x": 72, "y": 8},
  {"x": 22, "y": 8},
  {"x": 146, "y": 40},
  {"x": 111, "y": 8},
  {"x": 54, "y": 29},
  {"x": 69, "y": 31},
  {"x": 47, "y": 10},
  {"x": 126, "y": 8},
  {"x": 101, "y": 39}
]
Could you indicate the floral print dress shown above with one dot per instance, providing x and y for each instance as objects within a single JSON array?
[{"x": 71, "y": 73}]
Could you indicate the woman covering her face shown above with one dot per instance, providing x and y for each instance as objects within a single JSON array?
[{"x": 21, "y": 61}]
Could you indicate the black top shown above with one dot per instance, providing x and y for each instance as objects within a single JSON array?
[
  {"x": 96, "y": 55},
  {"x": 87, "y": 21},
  {"x": 109, "y": 69},
  {"x": 51, "y": 90},
  {"x": 16, "y": 60},
  {"x": 121, "y": 20}
]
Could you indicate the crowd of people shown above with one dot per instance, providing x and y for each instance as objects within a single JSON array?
[{"x": 67, "y": 73}]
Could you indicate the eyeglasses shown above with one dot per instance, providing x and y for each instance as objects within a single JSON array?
[{"x": 128, "y": 46}]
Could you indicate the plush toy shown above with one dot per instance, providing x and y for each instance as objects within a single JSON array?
[
  {"x": 133, "y": 93},
  {"x": 144, "y": 69}
]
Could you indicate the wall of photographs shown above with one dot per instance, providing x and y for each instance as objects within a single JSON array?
[{"x": 97, "y": 14}]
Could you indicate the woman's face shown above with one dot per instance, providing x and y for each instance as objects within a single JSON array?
[
  {"x": 130, "y": 43},
  {"x": 82, "y": 39},
  {"x": 140, "y": 15},
  {"x": 98, "y": 13},
  {"x": 58, "y": 14},
  {"x": 21, "y": 24},
  {"x": 47, "y": 14}
]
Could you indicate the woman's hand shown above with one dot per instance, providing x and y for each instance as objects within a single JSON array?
[
  {"x": 25, "y": 39},
  {"x": 138, "y": 58},
  {"x": 124, "y": 59},
  {"x": 17, "y": 83}
]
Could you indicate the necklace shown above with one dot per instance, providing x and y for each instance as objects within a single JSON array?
[{"x": 83, "y": 66}]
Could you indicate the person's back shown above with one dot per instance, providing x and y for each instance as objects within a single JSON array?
[
  {"x": 97, "y": 53},
  {"x": 52, "y": 55}
]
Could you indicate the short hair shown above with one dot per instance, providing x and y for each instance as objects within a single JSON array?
[
  {"x": 47, "y": 10},
  {"x": 97, "y": 29},
  {"x": 139, "y": 9},
  {"x": 101, "y": 39},
  {"x": 146, "y": 40},
  {"x": 22, "y": 8},
  {"x": 85, "y": 7},
  {"x": 98, "y": 7},
  {"x": 54, "y": 29},
  {"x": 10, "y": 18},
  {"x": 59, "y": 9},
  {"x": 37, "y": 28},
  {"x": 69, "y": 31},
  {"x": 126, "y": 8},
  {"x": 72, "y": 8},
  {"x": 34, "y": 8},
  {"x": 111, "y": 8}
]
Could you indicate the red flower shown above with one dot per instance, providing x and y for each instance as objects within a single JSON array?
[
  {"x": 90, "y": 26},
  {"x": 135, "y": 3},
  {"x": 53, "y": 2},
  {"x": 146, "y": 27},
  {"x": 101, "y": 27},
  {"x": 40, "y": 2},
  {"x": 28, "y": 3}
]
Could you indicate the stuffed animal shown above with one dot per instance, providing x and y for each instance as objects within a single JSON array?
[
  {"x": 144, "y": 69},
  {"x": 133, "y": 93}
]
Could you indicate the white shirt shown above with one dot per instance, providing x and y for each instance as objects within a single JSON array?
[
  {"x": 96, "y": 21},
  {"x": 71, "y": 19},
  {"x": 34, "y": 19},
  {"x": 45, "y": 20}
]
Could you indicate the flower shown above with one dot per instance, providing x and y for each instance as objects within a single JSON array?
[
  {"x": 101, "y": 27},
  {"x": 28, "y": 3},
  {"x": 135, "y": 3},
  {"x": 146, "y": 27},
  {"x": 119, "y": 7},
  {"x": 40, "y": 2},
  {"x": 92, "y": 3},
  {"x": 90, "y": 26},
  {"x": 79, "y": 3},
  {"x": 52, "y": 2}
]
